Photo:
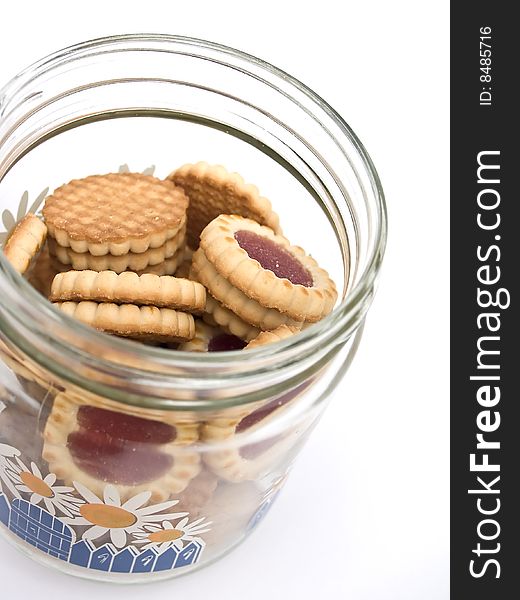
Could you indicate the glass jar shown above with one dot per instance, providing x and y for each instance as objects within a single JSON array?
[{"x": 126, "y": 462}]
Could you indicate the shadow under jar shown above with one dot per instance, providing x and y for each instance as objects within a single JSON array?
[{"x": 125, "y": 462}]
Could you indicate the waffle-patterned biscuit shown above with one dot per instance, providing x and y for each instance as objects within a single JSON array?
[
  {"x": 25, "y": 242},
  {"x": 235, "y": 457},
  {"x": 266, "y": 268},
  {"x": 212, "y": 191},
  {"x": 127, "y": 262},
  {"x": 128, "y": 287},
  {"x": 270, "y": 337},
  {"x": 137, "y": 450},
  {"x": 128, "y": 320},
  {"x": 116, "y": 213},
  {"x": 235, "y": 300},
  {"x": 211, "y": 339},
  {"x": 218, "y": 315}
]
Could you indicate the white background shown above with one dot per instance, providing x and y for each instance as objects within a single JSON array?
[{"x": 373, "y": 480}]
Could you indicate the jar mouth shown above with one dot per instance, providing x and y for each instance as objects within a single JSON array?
[{"x": 22, "y": 304}]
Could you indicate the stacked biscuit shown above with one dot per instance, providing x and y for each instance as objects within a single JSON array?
[
  {"x": 115, "y": 242},
  {"x": 259, "y": 277},
  {"x": 117, "y": 222},
  {"x": 122, "y": 234}
]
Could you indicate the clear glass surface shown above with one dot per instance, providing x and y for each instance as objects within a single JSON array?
[{"x": 125, "y": 462}]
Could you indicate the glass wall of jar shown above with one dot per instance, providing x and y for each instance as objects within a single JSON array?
[{"x": 123, "y": 461}]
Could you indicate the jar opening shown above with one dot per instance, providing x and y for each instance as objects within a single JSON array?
[{"x": 215, "y": 86}]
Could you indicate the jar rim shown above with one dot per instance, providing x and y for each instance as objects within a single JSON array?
[{"x": 31, "y": 307}]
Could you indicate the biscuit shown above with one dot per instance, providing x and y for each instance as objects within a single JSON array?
[
  {"x": 270, "y": 337},
  {"x": 128, "y": 287},
  {"x": 213, "y": 191},
  {"x": 116, "y": 213},
  {"x": 235, "y": 457},
  {"x": 211, "y": 339},
  {"x": 233, "y": 299},
  {"x": 99, "y": 442},
  {"x": 24, "y": 242},
  {"x": 267, "y": 269},
  {"x": 128, "y": 320},
  {"x": 218, "y": 315},
  {"x": 126, "y": 262}
]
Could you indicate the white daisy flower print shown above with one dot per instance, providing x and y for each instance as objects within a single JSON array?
[
  {"x": 7, "y": 453},
  {"x": 166, "y": 535},
  {"x": 126, "y": 169},
  {"x": 9, "y": 220},
  {"x": 118, "y": 519},
  {"x": 43, "y": 489}
]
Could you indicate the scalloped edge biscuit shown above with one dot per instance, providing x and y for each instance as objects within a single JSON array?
[
  {"x": 127, "y": 287},
  {"x": 163, "y": 213},
  {"x": 235, "y": 300},
  {"x": 246, "y": 274},
  {"x": 134, "y": 246},
  {"x": 126, "y": 262},
  {"x": 62, "y": 422},
  {"x": 213, "y": 190},
  {"x": 24, "y": 242},
  {"x": 128, "y": 320}
]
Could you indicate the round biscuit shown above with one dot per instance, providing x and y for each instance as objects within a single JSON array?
[
  {"x": 128, "y": 287},
  {"x": 128, "y": 320},
  {"x": 62, "y": 422},
  {"x": 115, "y": 213},
  {"x": 262, "y": 285}
]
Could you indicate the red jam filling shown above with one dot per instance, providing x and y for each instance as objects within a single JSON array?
[
  {"x": 119, "y": 448},
  {"x": 225, "y": 342},
  {"x": 125, "y": 427},
  {"x": 274, "y": 257}
]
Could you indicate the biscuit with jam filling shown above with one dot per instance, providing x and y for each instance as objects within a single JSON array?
[
  {"x": 97, "y": 441},
  {"x": 266, "y": 268}
]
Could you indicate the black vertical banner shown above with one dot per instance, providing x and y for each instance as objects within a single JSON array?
[{"x": 485, "y": 270}]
